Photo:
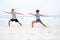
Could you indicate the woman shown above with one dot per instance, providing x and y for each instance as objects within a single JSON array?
[{"x": 37, "y": 15}]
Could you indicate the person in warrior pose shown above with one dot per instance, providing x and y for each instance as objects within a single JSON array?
[
  {"x": 37, "y": 15},
  {"x": 13, "y": 13}
]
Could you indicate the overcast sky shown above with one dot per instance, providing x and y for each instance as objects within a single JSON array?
[{"x": 48, "y": 7}]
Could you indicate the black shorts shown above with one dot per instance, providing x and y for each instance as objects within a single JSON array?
[
  {"x": 16, "y": 20},
  {"x": 38, "y": 20}
]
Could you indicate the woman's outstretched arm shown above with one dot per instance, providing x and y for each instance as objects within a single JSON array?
[
  {"x": 31, "y": 14},
  {"x": 43, "y": 15}
]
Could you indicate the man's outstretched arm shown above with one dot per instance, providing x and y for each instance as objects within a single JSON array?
[
  {"x": 19, "y": 13},
  {"x": 6, "y": 12}
]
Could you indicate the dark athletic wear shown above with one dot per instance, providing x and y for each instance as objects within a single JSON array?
[{"x": 16, "y": 20}]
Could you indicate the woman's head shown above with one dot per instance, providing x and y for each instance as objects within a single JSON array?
[{"x": 37, "y": 11}]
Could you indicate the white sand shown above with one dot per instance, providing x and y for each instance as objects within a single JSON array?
[{"x": 16, "y": 32}]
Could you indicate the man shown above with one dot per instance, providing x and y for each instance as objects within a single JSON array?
[{"x": 13, "y": 17}]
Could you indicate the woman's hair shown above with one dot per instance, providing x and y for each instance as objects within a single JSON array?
[{"x": 37, "y": 10}]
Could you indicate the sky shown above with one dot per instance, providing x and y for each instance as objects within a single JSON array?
[{"x": 48, "y": 7}]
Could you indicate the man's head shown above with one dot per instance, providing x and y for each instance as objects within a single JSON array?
[
  {"x": 12, "y": 10},
  {"x": 37, "y": 11}
]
